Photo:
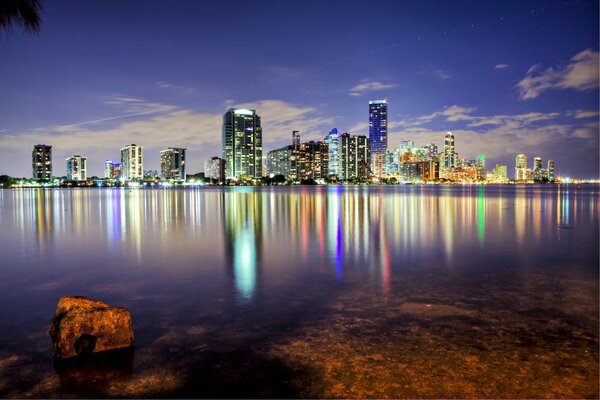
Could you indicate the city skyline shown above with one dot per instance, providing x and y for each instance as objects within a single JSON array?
[{"x": 505, "y": 79}]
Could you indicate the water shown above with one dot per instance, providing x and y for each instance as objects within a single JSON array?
[{"x": 399, "y": 291}]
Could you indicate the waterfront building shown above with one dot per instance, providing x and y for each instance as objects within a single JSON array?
[
  {"x": 242, "y": 143},
  {"x": 132, "y": 162},
  {"x": 112, "y": 169},
  {"x": 480, "y": 165},
  {"x": 538, "y": 172},
  {"x": 461, "y": 174},
  {"x": 279, "y": 162},
  {"x": 41, "y": 161},
  {"x": 408, "y": 172},
  {"x": 312, "y": 160},
  {"x": 377, "y": 135},
  {"x": 332, "y": 140},
  {"x": 354, "y": 157},
  {"x": 172, "y": 164},
  {"x": 431, "y": 150},
  {"x": 214, "y": 168},
  {"x": 521, "y": 168},
  {"x": 76, "y": 168},
  {"x": 151, "y": 174},
  {"x": 450, "y": 156},
  {"x": 429, "y": 170},
  {"x": 500, "y": 171},
  {"x": 551, "y": 177}
]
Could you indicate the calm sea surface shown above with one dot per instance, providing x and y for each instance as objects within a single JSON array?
[{"x": 397, "y": 291}]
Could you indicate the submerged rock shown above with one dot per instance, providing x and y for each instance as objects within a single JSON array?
[{"x": 82, "y": 326}]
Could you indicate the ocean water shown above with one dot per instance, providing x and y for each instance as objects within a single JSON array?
[{"x": 338, "y": 291}]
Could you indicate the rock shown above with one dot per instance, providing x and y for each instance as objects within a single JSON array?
[{"x": 82, "y": 326}]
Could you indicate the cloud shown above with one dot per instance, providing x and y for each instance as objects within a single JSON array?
[
  {"x": 135, "y": 105},
  {"x": 178, "y": 88},
  {"x": 500, "y": 66},
  {"x": 579, "y": 114},
  {"x": 366, "y": 87},
  {"x": 580, "y": 74}
]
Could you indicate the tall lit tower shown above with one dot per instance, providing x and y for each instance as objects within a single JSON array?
[
  {"x": 76, "y": 168},
  {"x": 521, "y": 168},
  {"x": 333, "y": 140},
  {"x": 551, "y": 171},
  {"x": 41, "y": 162},
  {"x": 132, "y": 162},
  {"x": 378, "y": 134},
  {"x": 450, "y": 155},
  {"x": 242, "y": 143},
  {"x": 172, "y": 163}
]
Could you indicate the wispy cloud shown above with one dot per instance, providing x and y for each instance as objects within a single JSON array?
[
  {"x": 580, "y": 74},
  {"x": 179, "y": 88},
  {"x": 500, "y": 66},
  {"x": 579, "y": 114},
  {"x": 369, "y": 86}
]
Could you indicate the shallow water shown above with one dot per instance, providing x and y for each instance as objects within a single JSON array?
[{"x": 397, "y": 291}]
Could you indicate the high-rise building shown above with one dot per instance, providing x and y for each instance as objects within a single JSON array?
[
  {"x": 450, "y": 156},
  {"x": 279, "y": 162},
  {"x": 77, "y": 168},
  {"x": 521, "y": 168},
  {"x": 354, "y": 156},
  {"x": 500, "y": 171},
  {"x": 312, "y": 160},
  {"x": 132, "y": 162},
  {"x": 214, "y": 168},
  {"x": 41, "y": 161},
  {"x": 172, "y": 164},
  {"x": 551, "y": 171},
  {"x": 378, "y": 135},
  {"x": 242, "y": 143},
  {"x": 480, "y": 164},
  {"x": 112, "y": 169},
  {"x": 333, "y": 140},
  {"x": 406, "y": 146},
  {"x": 431, "y": 150},
  {"x": 538, "y": 172}
]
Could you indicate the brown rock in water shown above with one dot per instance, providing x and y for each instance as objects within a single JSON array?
[{"x": 82, "y": 326}]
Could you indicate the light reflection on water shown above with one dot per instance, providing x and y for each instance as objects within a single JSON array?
[
  {"x": 377, "y": 229},
  {"x": 235, "y": 251}
]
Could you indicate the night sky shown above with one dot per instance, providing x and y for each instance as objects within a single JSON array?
[{"x": 506, "y": 77}]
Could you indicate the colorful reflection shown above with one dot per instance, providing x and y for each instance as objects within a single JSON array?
[{"x": 260, "y": 236}]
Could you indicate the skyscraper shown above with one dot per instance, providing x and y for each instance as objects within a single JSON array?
[
  {"x": 41, "y": 160},
  {"x": 77, "y": 168},
  {"x": 551, "y": 171},
  {"x": 132, "y": 162},
  {"x": 377, "y": 135},
  {"x": 242, "y": 143},
  {"x": 480, "y": 163},
  {"x": 450, "y": 155},
  {"x": 172, "y": 164},
  {"x": 521, "y": 168},
  {"x": 354, "y": 156},
  {"x": 538, "y": 172},
  {"x": 333, "y": 140}
]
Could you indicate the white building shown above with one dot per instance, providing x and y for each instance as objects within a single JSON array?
[
  {"x": 77, "y": 168},
  {"x": 132, "y": 162}
]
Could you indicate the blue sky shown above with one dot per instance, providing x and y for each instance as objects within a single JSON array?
[{"x": 504, "y": 76}]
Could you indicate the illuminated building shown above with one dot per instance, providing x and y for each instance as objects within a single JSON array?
[
  {"x": 112, "y": 169},
  {"x": 242, "y": 143},
  {"x": 333, "y": 140},
  {"x": 408, "y": 172},
  {"x": 41, "y": 160},
  {"x": 406, "y": 146},
  {"x": 551, "y": 171},
  {"x": 521, "y": 168},
  {"x": 463, "y": 174},
  {"x": 76, "y": 168},
  {"x": 214, "y": 168},
  {"x": 312, "y": 161},
  {"x": 172, "y": 164},
  {"x": 279, "y": 161},
  {"x": 450, "y": 155},
  {"x": 132, "y": 162},
  {"x": 431, "y": 150},
  {"x": 538, "y": 172},
  {"x": 377, "y": 135},
  {"x": 354, "y": 157},
  {"x": 480, "y": 164}
]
